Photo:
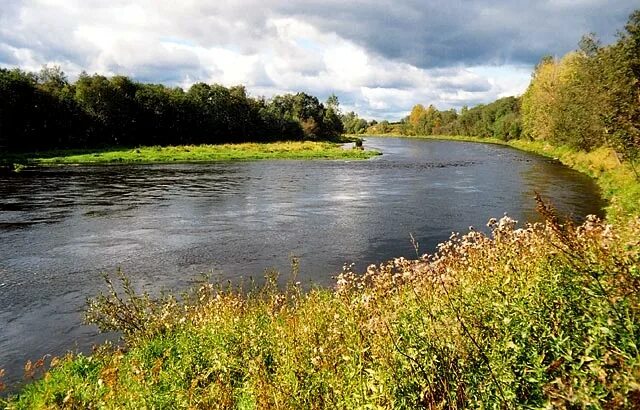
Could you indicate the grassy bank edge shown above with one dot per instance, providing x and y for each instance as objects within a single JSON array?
[
  {"x": 616, "y": 179},
  {"x": 320, "y": 305},
  {"x": 187, "y": 153}
]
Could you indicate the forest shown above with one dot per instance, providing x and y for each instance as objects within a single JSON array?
[
  {"x": 585, "y": 99},
  {"x": 41, "y": 111}
]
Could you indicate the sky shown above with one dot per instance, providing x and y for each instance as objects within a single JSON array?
[{"x": 379, "y": 57}]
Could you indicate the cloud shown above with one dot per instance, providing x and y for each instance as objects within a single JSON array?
[
  {"x": 8, "y": 55},
  {"x": 440, "y": 33},
  {"x": 379, "y": 57}
]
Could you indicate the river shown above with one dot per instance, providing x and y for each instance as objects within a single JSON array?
[{"x": 166, "y": 224}]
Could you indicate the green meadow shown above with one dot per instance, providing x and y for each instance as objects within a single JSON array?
[{"x": 192, "y": 153}]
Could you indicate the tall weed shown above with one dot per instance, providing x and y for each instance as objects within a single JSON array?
[{"x": 537, "y": 317}]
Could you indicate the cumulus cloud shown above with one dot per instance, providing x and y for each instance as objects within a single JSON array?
[{"x": 379, "y": 57}]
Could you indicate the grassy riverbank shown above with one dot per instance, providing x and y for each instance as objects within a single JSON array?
[
  {"x": 190, "y": 153},
  {"x": 543, "y": 316},
  {"x": 616, "y": 180}
]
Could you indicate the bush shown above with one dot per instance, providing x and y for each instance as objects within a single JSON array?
[{"x": 541, "y": 316}]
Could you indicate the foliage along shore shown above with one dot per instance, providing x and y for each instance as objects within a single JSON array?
[
  {"x": 587, "y": 99},
  {"x": 45, "y": 111},
  {"x": 616, "y": 178},
  {"x": 188, "y": 153},
  {"x": 541, "y": 316}
]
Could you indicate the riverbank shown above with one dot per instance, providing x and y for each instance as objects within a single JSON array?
[
  {"x": 189, "y": 153},
  {"x": 616, "y": 180},
  {"x": 536, "y": 317}
]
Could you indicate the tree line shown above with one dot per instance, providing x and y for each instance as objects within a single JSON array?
[
  {"x": 40, "y": 111},
  {"x": 586, "y": 99},
  {"x": 499, "y": 119},
  {"x": 590, "y": 97}
]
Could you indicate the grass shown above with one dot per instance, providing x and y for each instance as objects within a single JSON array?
[
  {"x": 617, "y": 180},
  {"x": 541, "y": 316},
  {"x": 191, "y": 153}
]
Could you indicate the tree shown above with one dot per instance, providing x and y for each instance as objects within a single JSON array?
[
  {"x": 332, "y": 123},
  {"x": 18, "y": 109},
  {"x": 415, "y": 118},
  {"x": 52, "y": 79},
  {"x": 538, "y": 101},
  {"x": 353, "y": 124},
  {"x": 333, "y": 103}
]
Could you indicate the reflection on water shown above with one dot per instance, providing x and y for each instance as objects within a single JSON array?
[{"x": 165, "y": 224}]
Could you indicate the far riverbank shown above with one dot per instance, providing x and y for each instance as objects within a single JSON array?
[{"x": 186, "y": 153}]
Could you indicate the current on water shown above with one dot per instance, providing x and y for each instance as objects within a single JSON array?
[{"x": 60, "y": 228}]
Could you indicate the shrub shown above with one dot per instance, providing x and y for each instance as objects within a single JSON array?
[{"x": 539, "y": 316}]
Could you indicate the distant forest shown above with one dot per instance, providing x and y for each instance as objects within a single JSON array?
[
  {"x": 40, "y": 111},
  {"x": 586, "y": 99}
]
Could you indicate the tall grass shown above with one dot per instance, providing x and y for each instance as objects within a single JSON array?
[
  {"x": 536, "y": 317},
  {"x": 617, "y": 180}
]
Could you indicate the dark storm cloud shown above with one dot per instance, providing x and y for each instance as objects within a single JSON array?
[
  {"x": 437, "y": 33},
  {"x": 443, "y": 32}
]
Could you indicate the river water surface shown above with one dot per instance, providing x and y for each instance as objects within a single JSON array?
[{"x": 165, "y": 224}]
